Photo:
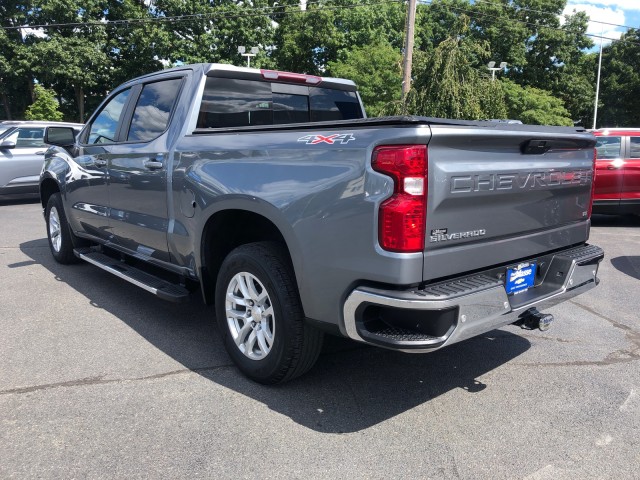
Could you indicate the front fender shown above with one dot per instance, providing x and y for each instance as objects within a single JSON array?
[{"x": 55, "y": 172}]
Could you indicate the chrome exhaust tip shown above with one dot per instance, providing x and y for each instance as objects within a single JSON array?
[{"x": 532, "y": 319}]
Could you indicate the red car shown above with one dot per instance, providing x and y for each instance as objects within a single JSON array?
[{"x": 617, "y": 188}]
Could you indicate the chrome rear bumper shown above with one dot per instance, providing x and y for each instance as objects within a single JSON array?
[{"x": 421, "y": 320}]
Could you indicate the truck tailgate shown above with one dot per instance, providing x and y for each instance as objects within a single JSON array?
[{"x": 496, "y": 195}]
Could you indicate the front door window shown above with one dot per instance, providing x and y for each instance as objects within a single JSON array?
[{"x": 105, "y": 126}]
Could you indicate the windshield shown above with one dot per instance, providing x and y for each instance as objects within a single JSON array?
[{"x": 3, "y": 130}]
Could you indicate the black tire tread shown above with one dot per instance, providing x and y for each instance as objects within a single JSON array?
[
  {"x": 65, "y": 256},
  {"x": 307, "y": 341}
]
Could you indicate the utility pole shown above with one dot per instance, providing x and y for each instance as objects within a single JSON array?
[
  {"x": 408, "y": 48},
  {"x": 595, "y": 108}
]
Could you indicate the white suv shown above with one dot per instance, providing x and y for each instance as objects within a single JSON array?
[{"x": 22, "y": 150}]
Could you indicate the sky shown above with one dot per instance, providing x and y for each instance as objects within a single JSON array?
[{"x": 620, "y": 12}]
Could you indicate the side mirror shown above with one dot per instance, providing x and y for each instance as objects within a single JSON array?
[
  {"x": 7, "y": 144},
  {"x": 60, "y": 136}
]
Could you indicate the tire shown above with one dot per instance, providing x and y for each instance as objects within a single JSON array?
[
  {"x": 260, "y": 315},
  {"x": 58, "y": 231}
]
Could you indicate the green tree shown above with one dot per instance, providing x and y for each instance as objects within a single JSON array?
[
  {"x": 376, "y": 69},
  {"x": 361, "y": 24},
  {"x": 6, "y": 73},
  {"x": 83, "y": 62},
  {"x": 71, "y": 62},
  {"x": 135, "y": 47},
  {"x": 579, "y": 88},
  {"x": 45, "y": 106},
  {"x": 619, "y": 104},
  {"x": 435, "y": 22},
  {"x": 214, "y": 30},
  {"x": 309, "y": 41},
  {"x": 534, "y": 106},
  {"x": 554, "y": 62},
  {"x": 14, "y": 78},
  {"x": 448, "y": 83},
  {"x": 68, "y": 58},
  {"x": 306, "y": 41},
  {"x": 540, "y": 50}
]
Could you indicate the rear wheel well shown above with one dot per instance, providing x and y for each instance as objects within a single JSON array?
[
  {"x": 47, "y": 188},
  {"x": 227, "y": 230}
]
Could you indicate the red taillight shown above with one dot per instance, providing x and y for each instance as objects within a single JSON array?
[
  {"x": 290, "y": 77},
  {"x": 593, "y": 183},
  {"x": 403, "y": 217}
]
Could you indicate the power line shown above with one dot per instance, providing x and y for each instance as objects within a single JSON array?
[
  {"x": 537, "y": 25},
  {"x": 210, "y": 15},
  {"x": 533, "y": 10},
  {"x": 279, "y": 10}
]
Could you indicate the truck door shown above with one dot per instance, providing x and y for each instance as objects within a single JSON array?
[
  {"x": 86, "y": 187},
  {"x": 609, "y": 170},
  {"x": 630, "y": 196},
  {"x": 138, "y": 171}
]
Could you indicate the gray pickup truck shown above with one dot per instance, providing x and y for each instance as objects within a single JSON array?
[{"x": 272, "y": 194}]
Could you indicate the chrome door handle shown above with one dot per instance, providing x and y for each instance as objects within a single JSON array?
[
  {"x": 613, "y": 167},
  {"x": 153, "y": 164},
  {"x": 100, "y": 162}
]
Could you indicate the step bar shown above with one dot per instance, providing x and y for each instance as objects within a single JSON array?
[{"x": 152, "y": 284}]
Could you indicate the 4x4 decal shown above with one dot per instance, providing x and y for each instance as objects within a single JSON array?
[{"x": 330, "y": 139}]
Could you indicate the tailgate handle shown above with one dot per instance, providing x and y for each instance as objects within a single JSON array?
[{"x": 535, "y": 147}]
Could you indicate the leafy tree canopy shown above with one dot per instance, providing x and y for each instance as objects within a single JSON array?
[
  {"x": 620, "y": 88},
  {"x": 534, "y": 106},
  {"x": 45, "y": 106},
  {"x": 351, "y": 38},
  {"x": 448, "y": 84},
  {"x": 376, "y": 69}
]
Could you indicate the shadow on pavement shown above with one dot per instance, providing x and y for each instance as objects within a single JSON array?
[
  {"x": 627, "y": 264},
  {"x": 351, "y": 388}
]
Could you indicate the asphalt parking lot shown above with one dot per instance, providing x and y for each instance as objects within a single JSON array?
[{"x": 99, "y": 379}]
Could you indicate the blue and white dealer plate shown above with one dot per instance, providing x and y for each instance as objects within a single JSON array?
[{"x": 520, "y": 278}]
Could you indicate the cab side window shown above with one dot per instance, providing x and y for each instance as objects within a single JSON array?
[
  {"x": 151, "y": 116},
  {"x": 105, "y": 126},
  {"x": 634, "y": 147},
  {"x": 235, "y": 103},
  {"x": 331, "y": 105},
  {"x": 27, "y": 137},
  {"x": 608, "y": 148}
]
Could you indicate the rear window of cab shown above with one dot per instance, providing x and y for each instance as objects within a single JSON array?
[{"x": 230, "y": 102}]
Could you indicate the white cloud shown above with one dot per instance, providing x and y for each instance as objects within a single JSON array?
[
  {"x": 600, "y": 14},
  {"x": 617, "y": 4}
]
